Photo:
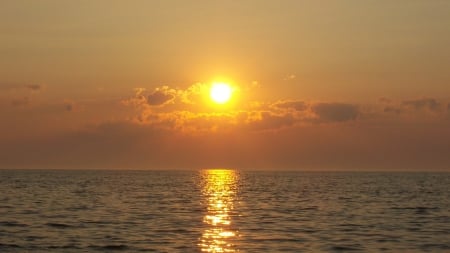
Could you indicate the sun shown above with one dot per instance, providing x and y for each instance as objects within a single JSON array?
[{"x": 220, "y": 92}]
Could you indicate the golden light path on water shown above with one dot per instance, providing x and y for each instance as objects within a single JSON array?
[{"x": 219, "y": 191}]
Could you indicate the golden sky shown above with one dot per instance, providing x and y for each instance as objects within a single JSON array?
[{"x": 329, "y": 85}]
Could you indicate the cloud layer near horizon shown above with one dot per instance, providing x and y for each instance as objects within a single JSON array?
[{"x": 171, "y": 128}]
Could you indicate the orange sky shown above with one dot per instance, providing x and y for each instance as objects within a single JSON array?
[{"x": 329, "y": 85}]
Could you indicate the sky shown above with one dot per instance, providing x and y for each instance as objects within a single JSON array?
[{"x": 317, "y": 85}]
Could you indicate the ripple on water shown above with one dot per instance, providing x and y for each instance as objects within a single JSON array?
[
  {"x": 109, "y": 247},
  {"x": 126, "y": 211},
  {"x": 12, "y": 224},
  {"x": 58, "y": 225},
  {"x": 9, "y": 245}
]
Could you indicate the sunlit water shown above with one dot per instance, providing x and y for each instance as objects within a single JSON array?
[{"x": 223, "y": 211}]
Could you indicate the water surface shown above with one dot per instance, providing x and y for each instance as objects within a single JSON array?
[{"x": 223, "y": 211}]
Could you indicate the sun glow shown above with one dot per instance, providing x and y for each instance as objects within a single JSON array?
[{"x": 220, "y": 92}]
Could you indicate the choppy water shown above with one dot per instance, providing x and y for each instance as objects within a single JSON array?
[{"x": 223, "y": 211}]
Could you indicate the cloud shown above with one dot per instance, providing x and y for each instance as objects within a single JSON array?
[
  {"x": 158, "y": 98},
  {"x": 384, "y": 100},
  {"x": 392, "y": 109},
  {"x": 335, "y": 112},
  {"x": 413, "y": 106},
  {"x": 33, "y": 87},
  {"x": 19, "y": 95},
  {"x": 193, "y": 94},
  {"x": 296, "y": 105},
  {"x": 269, "y": 121},
  {"x": 71, "y": 106},
  {"x": 12, "y": 86},
  {"x": 189, "y": 110},
  {"x": 164, "y": 96},
  {"x": 424, "y": 103},
  {"x": 254, "y": 134},
  {"x": 161, "y": 96},
  {"x": 290, "y": 77}
]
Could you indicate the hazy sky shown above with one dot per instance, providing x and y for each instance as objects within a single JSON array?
[{"x": 358, "y": 85}]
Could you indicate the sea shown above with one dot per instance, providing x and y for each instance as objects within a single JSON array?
[{"x": 223, "y": 210}]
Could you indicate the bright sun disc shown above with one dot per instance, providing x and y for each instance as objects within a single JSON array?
[{"x": 220, "y": 92}]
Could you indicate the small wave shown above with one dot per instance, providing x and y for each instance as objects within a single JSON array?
[
  {"x": 384, "y": 240},
  {"x": 435, "y": 246},
  {"x": 96, "y": 222},
  {"x": 309, "y": 231},
  {"x": 33, "y": 238},
  {"x": 418, "y": 209},
  {"x": 70, "y": 246},
  {"x": 345, "y": 248},
  {"x": 29, "y": 211},
  {"x": 12, "y": 224},
  {"x": 58, "y": 225},
  {"x": 175, "y": 230},
  {"x": 6, "y": 245},
  {"x": 77, "y": 208},
  {"x": 309, "y": 208},
  {"x": 415, "y": 208},
  {"x": 109, "y": 247}
]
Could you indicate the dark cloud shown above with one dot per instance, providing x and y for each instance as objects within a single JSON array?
[
  {"x": 424, "y": 103},
  {"x": 335, "y": 112},
  {"x": 392, "y": 109},
  {"x": 270, "y": 121},
  {"x": 69, "y": 107},
  {"x": 34, "y": 87},
  {"x": 296, "y": 105},
  {"x": 159, "y": 97},
  {"x": 385, "y": 100},
  {"x": 15, "y": 86}
]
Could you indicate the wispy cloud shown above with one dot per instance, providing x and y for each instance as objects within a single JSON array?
[
  {"x": 335, "y": 112},
  {"x": 296, "y": 105},
  {"x": 413, "y": 106},
  {"x": 19, "y": 95},
  {"x": 290, "y": 77},
  {"x": 424, "y": 103},
  {"x": 33, "y": 87}
]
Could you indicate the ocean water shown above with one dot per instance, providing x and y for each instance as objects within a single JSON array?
[{"x": 223, "y": 211}]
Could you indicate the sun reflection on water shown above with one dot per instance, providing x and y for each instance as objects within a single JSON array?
[{"x": 219, "y": 192}]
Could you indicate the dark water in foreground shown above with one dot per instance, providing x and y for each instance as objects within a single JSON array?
[{"x": 223, "y": 211}]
